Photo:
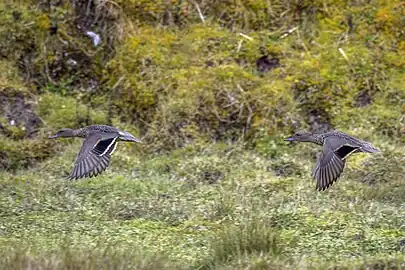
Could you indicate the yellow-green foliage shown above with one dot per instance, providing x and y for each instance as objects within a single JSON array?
[
  {"x": 12, "y": 131},
  {"x": 22, "y": 153},
  {"x": 199, "y": 81},
  {"x": 389, "y": 16},
  {"x": 18, "y": 29},
  {"x": 16, "y": 150},
  {"x": 65, "y": 112},
  {"x": 9, "y": 77},
  {"x": 144, "y": 10},
  {"x": 187, "y": 84}
]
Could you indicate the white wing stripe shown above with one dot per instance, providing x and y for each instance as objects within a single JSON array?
[
  {"x": 108, "y": 147},
  {"x": 115, "y": 147}
]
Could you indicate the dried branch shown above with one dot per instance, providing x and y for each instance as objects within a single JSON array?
[
  {"x": 199, "y": 12},
  {"x": 239, "y": 45},
  {"x": 342, "y": 52},
  {"x": 245, "y": 36},
  {"x": 289, "y": 32}
]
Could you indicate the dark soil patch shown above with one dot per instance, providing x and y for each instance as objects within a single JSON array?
[
  {"x": 17, "y": 111},
  {"x": 319, "y": 121},
  {"x": 363, "y": 99},
  {"x": 264, "y": 64}
]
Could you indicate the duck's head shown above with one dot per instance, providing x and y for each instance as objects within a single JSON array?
[
  {"x": 64, "y": 132},
  {"x": 300, "y": 136}
]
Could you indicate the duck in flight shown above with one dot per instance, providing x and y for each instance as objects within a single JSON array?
[
  {"x": 337, "y": 146},
  {"x": 99, "y": 144}
]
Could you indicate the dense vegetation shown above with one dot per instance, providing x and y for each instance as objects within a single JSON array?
[{"x": 212, "y": 87}]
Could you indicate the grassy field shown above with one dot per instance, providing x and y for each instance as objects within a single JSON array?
[
  {"x": 213, "y": 186},
  {"x": 213, "y": 206}
]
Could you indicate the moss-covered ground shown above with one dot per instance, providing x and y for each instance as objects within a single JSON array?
[
  {"x": 213, "y": 186},
  {"x": 217, "y": 205}
]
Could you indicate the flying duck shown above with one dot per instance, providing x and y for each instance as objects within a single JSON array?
[
  {"x": 99, "y": 144},
  {"x": 337, "y": 146}
]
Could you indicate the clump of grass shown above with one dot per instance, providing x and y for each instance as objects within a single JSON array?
[
  {"x": 9, "y": 77},
  {"x": 23, "y": 153},
  {"x": 383, "y": 173},
  {"x": 250, "y": 236},
  {"x": 70, "y": 258}
]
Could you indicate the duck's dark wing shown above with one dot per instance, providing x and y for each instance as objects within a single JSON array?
[
  {"x": 94, "y": 156},
  {"x": 331, "y": 161}
]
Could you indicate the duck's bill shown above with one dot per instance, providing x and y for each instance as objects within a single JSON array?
[
  {"x": 289, "y": 139},
  {"x": 126, "y": 136},
  {"x": 52, "y": 137}
]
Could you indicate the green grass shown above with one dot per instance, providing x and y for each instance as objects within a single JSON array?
[{"x": 171, "y": 208}]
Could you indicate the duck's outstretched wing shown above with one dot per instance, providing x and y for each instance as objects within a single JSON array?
[
  {"x": 331, "y": 162},
  {"x": 94, "y": 156}
]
